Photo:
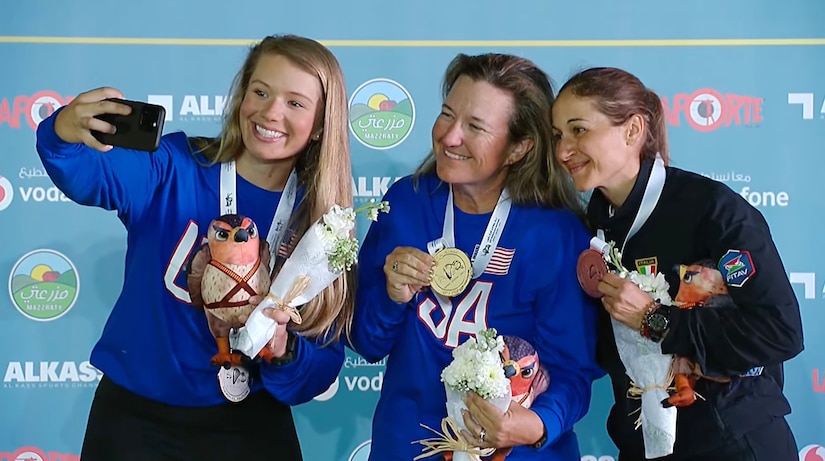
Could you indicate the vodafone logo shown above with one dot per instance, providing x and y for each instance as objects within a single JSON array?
[
  {"x": 6, "y": 193},
  {"x": 812, "y": 453}
]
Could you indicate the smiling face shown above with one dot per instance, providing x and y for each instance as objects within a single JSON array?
[
  {"x": 281, "y": 109},
  {"x": 595, "y": 152},
  {"x": 471, "y": 138}
]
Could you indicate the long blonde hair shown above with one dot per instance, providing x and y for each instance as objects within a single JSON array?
[
  {"x": 536, "y": 179},
  {"x": 324, "y": 169}
]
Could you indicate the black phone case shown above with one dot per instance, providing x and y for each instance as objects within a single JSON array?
[{"x": 140, "y": 130}]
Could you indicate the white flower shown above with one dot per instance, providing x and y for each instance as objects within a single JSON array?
[
  {"x": 334, "y": 231},
  {"x": 477, "y": 366},
  {"x": 340, "y": 221},
  {"x": 654, "y": 285}
]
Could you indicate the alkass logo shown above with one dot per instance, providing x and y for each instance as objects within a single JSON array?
[
  {"x": 191, "y": 108},
  {"x": 30, "y": 109},
  {"x": 36, "y": 454},
  {"x": 375, "y": 186},
  {"x": 812, "y": 453},
  {"x": 708, "y": 109},
  {"x": 50, "y": 374}
]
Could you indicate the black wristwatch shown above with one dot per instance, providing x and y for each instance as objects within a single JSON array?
[
  {"x": 289, "y": 355},
  {"x": 656, "y": 323}
]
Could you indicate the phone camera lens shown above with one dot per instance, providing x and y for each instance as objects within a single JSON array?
[{"x": 148, "y": 119}]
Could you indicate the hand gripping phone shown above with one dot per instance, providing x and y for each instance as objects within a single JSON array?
[{"x": 140, "y": 130}]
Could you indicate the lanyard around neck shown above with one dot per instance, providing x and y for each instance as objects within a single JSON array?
[
  {"x": 492, "y": 234},
  {"x": 277, "y": 230},
  {"x": 653, "y": 191}
]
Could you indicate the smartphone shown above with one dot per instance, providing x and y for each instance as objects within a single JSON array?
[{"x": 140, "y": 130}]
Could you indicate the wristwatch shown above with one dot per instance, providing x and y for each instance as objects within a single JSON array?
[
  {"x": 289, "y": 355},
  {"x": 656, "y": 323}
]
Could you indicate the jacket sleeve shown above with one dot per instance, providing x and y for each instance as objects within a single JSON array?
[
  {"x": 377, "y": 319},
  {"x": 121, "y": 179},
  {"x": 762, "y": 326},
  {"x": 565, "y": 335},
  {"x": 314, "y": 369}
]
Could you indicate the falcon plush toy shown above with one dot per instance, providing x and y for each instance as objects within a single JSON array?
[
  {"x": 527, "y": 378},
  {"x": 700, "y": 285},
  {"x": 223, "y": 274}
]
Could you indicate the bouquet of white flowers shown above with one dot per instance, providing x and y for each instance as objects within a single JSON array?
[
  {"x": 476, "y": 367},
  {"x": 325, "y": 251},
  {"x": 650, "y": 371}
]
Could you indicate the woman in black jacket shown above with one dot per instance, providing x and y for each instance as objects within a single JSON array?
[{"x": 739, "y": 318}]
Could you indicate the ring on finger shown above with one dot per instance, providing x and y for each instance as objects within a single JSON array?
[
  {"x": 395, "y": 266},
  {"x": 481, "y": 435}
]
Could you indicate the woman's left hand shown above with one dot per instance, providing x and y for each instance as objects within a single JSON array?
[
  {"x": 514, "y": 427},
  {"x": 277, "y": 344},
  {"x": 624, "y": 300}
]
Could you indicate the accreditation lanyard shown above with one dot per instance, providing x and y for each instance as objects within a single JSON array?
[
  {"x": 277, "y": 230},
  {"x": 492, "y": 234},
  {"x": 653, "y": 191}
]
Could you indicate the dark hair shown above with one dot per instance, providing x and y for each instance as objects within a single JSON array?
[
  {"x": 537, "y": 178},
  {"x": 618, "y": 94}
]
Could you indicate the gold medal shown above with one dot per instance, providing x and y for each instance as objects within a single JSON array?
[{"x": 452, "y": 272}]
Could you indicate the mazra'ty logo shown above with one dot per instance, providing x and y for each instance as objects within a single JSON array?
[
  {"x": 382, "y": 113},
  {"x": 43, "y": 285}
]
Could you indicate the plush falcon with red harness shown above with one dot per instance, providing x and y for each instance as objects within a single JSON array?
[{"x": 223, "y": 274}]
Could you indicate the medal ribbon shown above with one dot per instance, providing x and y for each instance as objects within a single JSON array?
[
  {"x": 653, "y": 190},
  {"x": 489, "y": 240},
  {"x": 495, "y": 227},
  {"x": 277, "y": 230}
]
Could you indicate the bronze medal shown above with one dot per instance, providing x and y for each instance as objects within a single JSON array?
[
  {"x": 452, "y": 272},
  {"x": 590, "y": 270}
]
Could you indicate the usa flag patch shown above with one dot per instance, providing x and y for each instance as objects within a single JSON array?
[
  {"x": 500, "y": 261},
  {"x": 288, "y": 243}
]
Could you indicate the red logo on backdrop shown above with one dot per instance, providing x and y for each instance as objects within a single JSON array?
[
  {"x": 36, "y": 454},
  {"x": 30, "y": 109},
  {"x": 819, "y": 383},
  {"x": 812, "y": 453},
  {"x": 708, "y": 109}
]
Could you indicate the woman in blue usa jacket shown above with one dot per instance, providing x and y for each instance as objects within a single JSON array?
[
  {"x": 159, "y": 398},
  {"x": 489, "y": 188}
]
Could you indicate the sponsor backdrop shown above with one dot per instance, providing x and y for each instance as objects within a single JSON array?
[{"x": 741, "y": 82}]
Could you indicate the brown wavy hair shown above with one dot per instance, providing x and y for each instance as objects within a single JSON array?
[
  {"x": 324, "y": 169},
  {"x": 618, "y": 94},
  {"x": 536, "y": 179}
]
